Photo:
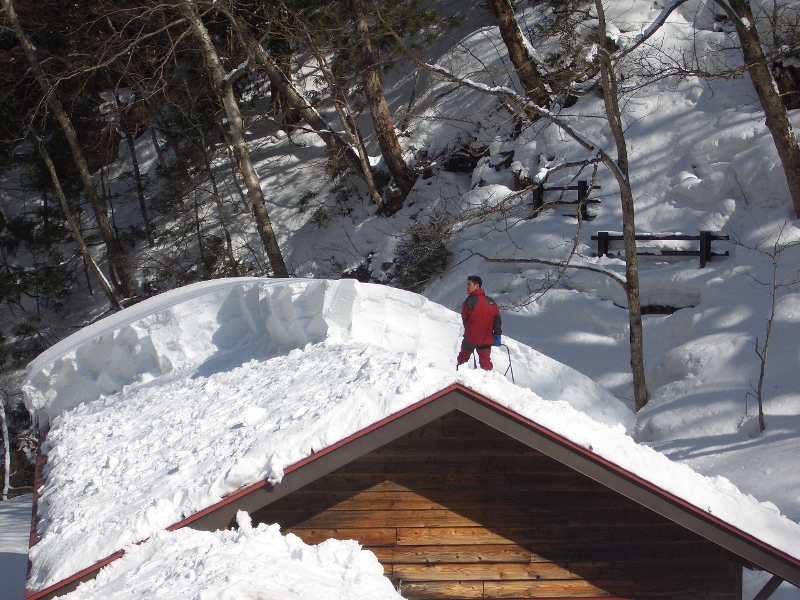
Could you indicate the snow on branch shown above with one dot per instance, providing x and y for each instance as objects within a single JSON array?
[
  {"x": 653, "y": 27},
  {"x": 237, "y": 72},
  {"x": 529, "y": 106}
]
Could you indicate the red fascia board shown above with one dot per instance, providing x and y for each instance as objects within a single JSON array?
[{"x": 31, "y": 595}]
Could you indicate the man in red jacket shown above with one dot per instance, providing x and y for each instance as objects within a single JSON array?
[{"x": 482, "y": 324}]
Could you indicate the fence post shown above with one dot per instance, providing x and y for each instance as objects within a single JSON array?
[
  {"x": 705, "y": 248},
  {"x": 583, "y": 196},
  {"x": 602, "y": 243},
  {"x": 538, "y": 200}
]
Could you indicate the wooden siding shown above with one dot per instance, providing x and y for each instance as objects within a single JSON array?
[{"x": 456, "y": 509}]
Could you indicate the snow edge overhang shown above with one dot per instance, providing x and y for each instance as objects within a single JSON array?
[{"x": 459, "y": 397}]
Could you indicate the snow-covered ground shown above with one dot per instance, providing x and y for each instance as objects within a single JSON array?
[
  {"x": 700, "y": 158},
  {"x": 15, "y": 531}
]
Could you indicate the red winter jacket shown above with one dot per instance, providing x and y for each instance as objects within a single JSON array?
[{"x": 481, "y": 319}]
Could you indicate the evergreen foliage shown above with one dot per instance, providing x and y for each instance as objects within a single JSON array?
[{"x": 422, "y": 254}]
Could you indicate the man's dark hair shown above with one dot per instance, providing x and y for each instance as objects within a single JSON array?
[{"x": 476, "y": 279}]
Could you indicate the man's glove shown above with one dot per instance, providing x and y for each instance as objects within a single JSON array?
[{"x": 497, "y": 340}]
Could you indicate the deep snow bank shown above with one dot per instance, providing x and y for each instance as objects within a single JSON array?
[{"x": 218, "y": 324}]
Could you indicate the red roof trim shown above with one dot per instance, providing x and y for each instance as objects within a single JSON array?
[
  {"x": 246, "y": 490},
  {"x": 29, "y": 595},
  {"x": 456, "y": 387}
]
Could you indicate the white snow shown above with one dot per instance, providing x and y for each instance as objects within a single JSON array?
[
  {"x": 245, "y": 398},
  {"x": 247, "y": 563},
  {"x": 15, "y": 529},
  {"x": 700, "y": 158},
  {"x": 215, "y": 325}
]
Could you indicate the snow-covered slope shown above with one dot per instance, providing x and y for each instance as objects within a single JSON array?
[
  {"x": 700, "y": 158},
  {"x": 15, "y": 520}
]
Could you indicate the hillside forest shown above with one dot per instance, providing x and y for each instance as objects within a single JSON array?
[{"x": 148, "y": 145}]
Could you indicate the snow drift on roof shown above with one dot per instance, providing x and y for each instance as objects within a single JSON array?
[
  {"x": 227, "y": 387},
  {"x": 218, "y": 324}
]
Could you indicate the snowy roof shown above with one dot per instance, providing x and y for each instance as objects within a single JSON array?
[{"x": 163, "y": 409}]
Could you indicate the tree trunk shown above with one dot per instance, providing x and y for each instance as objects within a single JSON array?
[
  {"x": 6, "y": 453},
  {"x": 115, "y": 252},
  {"x": 220, "y": 209},
  {"x": 614, "y": 117},
  {"x": 137, "y": 175},
  {"x": 776, "y": 118},
  {"x": 282, "y": 52},
  {"x": 523, "y": 62},
  {"x": 198, "y": 233},
  {"x": 76, "y": 232},
  {"x": 234, "y": 169},
  {"x": 161, "y": 160},
  {"x": 381, "y": 117},
  {"x": 256, "y": 52},
  {"x": 236, "y": 126},
  {"x": 352, "y": 132},
  {"x": 346, "y": 119},
  {"x": 182, "y": 163}
]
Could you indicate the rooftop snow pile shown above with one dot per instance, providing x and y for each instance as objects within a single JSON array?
[
  {"x": 245, "y": 563},
  {"x": 159, "y": 411},
  {"x": 219, "y": 324}
]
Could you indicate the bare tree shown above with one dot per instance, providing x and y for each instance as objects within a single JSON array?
[
  {"x": 740, "y": 14},
  {"x": 381, "y": 116},
  {"x": 129, "y": 130},
  {"x": 6, "y": 452},
  {"x": 259, "y": 55},
  {"x": 76, "y": 231},
  {"x": 224, "y": 87},
  {"x": 621, "y": 174},
  {"x": 234, "y": 267},
  {"x": 116, "y": 254},
  {"x": 532, "y": 81},
  {"x": 772, "y": 248},
  {"x": 301, "y": 31}
]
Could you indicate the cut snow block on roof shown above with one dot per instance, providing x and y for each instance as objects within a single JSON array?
[{"x": 219, "y": 324}]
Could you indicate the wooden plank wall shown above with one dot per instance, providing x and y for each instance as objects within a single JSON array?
[{"x": 458, "y": 510}]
